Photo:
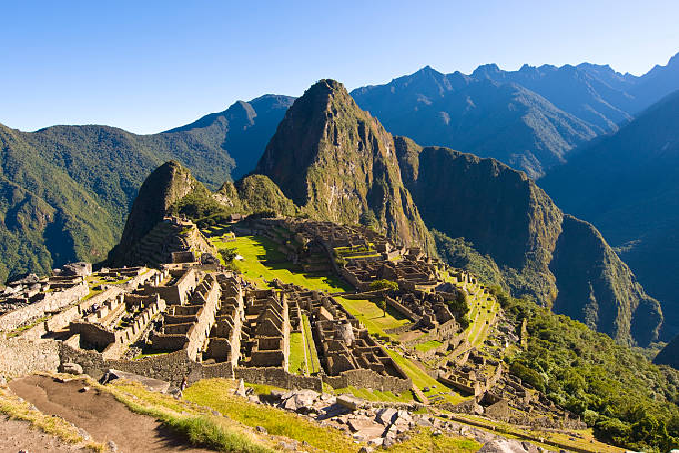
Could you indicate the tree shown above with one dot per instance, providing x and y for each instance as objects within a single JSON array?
[
  {"x": 383, "y": 284},
  {"x": 228, "y": 255},
  {"x": 383, "y": 305}
]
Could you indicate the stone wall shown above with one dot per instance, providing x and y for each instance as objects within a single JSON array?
[
  {"x": 402, "y": 309},
  {"x": 278, "y": 377},
  {"x": 177, "y": 293},
  {"x": 170, "y": 367},
  {"x": 19, "y": 357},
  {"x": 63, "y": 318},
  {"x": 364, "y": 378},
  {"x": 52, "y": 301}
]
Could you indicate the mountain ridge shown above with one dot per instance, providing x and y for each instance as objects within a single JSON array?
[
  {"x": 559, "y": 260},
  {"x": 590, "y": 99}
]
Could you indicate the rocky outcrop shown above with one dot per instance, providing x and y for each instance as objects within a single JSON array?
[
  {"x": 337, "y": 163},
  {"x": 557, "y": 259}
]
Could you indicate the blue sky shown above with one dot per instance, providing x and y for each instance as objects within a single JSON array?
[{"x": 148, "y": 66}]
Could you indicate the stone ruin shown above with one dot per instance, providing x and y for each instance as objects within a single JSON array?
[
  {"x": 349, "y": 355},
  {"x": 266, "y": 330}
]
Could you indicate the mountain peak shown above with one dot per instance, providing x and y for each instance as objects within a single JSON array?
[
  {"x": 486, "y": 69},
  {"x": 162, "y": 188},
  {"x": 338, "y": 163}
]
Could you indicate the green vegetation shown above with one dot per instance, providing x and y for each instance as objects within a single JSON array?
[
  {"x": 313, "y": 364},
  {"x": 424, "y": 440},
  {"x": 375, "y": 395},
  {"x": 628, "y": 400},
  {"x": 427, "y": 345},
  {"x": 462, "y": 255},
  {"x": 262, "y": 261},
  {"x": 228, "y": 254},
  {"x": 217, "y": 394},
  {"x": 372, "y": 316},
  {"x": 297, "y": 360},
  {"x": 206, "y": 431},
  {"x": 65, "y": 190},
  {"x": 421, "y": 379},
  {"x": 383, "y": 284}
]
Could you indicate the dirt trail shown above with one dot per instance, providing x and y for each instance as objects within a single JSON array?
[
  {"x": 99, "y": 414},
  {"x": 17, "y": 435}
]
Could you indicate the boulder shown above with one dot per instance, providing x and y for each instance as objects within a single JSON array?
[
  {"x": 71, "y": 368},
  {"x": 503, "y": 446},
  {"x": 305, "y": 398},
  {"x": 155, "y": 385},
  {"x": 349, "y": 401},
  {"x": 385, "y": 415}
]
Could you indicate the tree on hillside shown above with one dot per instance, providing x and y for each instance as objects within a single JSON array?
[{"x": 383, "y": 305}]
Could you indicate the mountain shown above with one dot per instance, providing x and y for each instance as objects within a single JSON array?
[
  {"x": 243, "y": 130},
  {"x": 164, "y": 187},
  {"x": 487, "y": 118},
  {"x": 627, "y": 184},
  {"x": 517, "y": 231},
  {"x": 330, "y": 160},
  {"x": 337, "y": 163},
  {"x": 65, "y": 190},
  {"x": 530, "y": 119}
]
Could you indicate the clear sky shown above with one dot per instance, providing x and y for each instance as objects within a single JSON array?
[{"x": 148, "y": 66}]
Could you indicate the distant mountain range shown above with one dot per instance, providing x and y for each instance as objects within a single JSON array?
[{"x": 529, "y": 119}]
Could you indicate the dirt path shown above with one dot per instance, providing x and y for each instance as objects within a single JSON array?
[
  {"x": 17, "y": 435},
  {"x": 99, "y": 414}
]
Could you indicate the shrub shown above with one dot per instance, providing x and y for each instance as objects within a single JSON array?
[
  {"x": 228, "y": 254},
  {"x": 383, "y": 284}
]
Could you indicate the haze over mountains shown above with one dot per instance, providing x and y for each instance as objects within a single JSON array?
[{"x": 67, "y": 189}]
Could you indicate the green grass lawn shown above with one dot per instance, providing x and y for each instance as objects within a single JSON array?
[
  {"x": 297, "y": 360},
  {"x": 217, "y": 394},
  {"x": 482, "y": 310},
  {"x": 373, "y": 317},
  {"x": 421, "y": 379},
  {"x": 425, "y": 440},
  {"x": 427, "y": 345},
  {"x": 262, "y": 261},
  {"x": 313, "y": 364}
]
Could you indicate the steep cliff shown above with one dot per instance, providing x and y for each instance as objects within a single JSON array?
[
  {"x": 336, "y": 162},
  {"x": 557, "y": 259}
]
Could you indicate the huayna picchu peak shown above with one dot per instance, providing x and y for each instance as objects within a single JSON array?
[{"x": 336, "y": 162}]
